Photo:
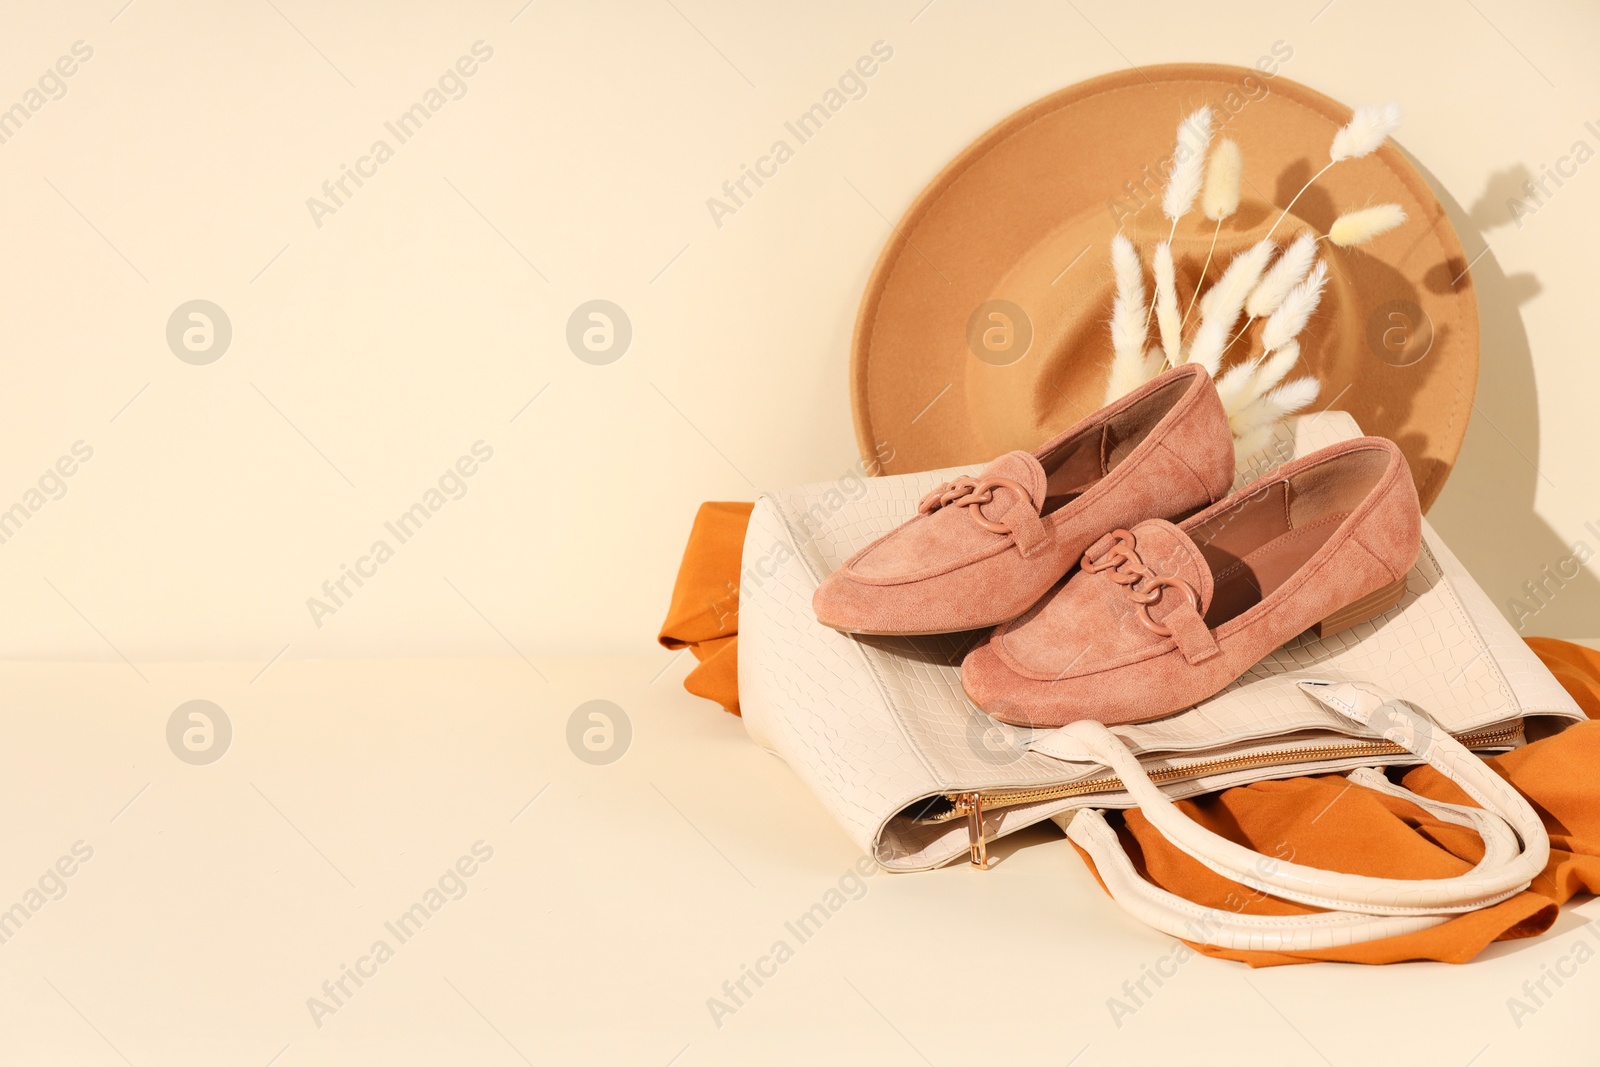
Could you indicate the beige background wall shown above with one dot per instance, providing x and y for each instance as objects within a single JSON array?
[{"x": 371, "y": 352}]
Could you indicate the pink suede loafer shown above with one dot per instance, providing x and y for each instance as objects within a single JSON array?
[
  {"x": 1161, "y": 616},
  {"x": 981, "y": 550}
]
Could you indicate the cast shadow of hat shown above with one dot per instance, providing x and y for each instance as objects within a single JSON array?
[{"x": 1486, "y": 511}]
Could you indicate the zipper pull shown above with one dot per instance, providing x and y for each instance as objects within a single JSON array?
[{"x": 971, "y": 805}]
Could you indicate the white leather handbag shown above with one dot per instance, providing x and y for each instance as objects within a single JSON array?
[{"x": 879, "y": 728}]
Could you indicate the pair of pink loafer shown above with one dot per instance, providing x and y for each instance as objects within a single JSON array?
[{"x": 1123, "y": 580}]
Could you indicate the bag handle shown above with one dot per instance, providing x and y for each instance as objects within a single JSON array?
[
  {"x": 1174, "y": 915},
  {"x": 1516, "y": 845},
  {"x": 1177, "y": 917}
]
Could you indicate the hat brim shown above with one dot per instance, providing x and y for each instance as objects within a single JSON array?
[{"x": 1395, "y": 343}]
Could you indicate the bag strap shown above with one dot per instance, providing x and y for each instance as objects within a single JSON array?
[
  {"x": 1177, "y": 917},
  {"x": 1516, "y": 846}
]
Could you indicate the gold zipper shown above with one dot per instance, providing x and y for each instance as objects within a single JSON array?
[{"x": 971, "y": 805}]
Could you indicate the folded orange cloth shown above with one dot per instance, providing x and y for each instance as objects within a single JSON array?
[
  {"x": 1322, "y": 821},
  {"x": 1326, "y": 822},
  {"x": 704, "y": 614},
  {"x": 1575, "y": 666}
]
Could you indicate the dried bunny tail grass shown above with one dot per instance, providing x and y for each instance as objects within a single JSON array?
[
  {"x": 1295, "y": 395},
  {"x": 1358, "y": 227},
  {"x": 1361, "y": 136},
  {"x": 1167, "y": 299},
  {"x": 1128, "y": 374},
  {"x": 1367, "y": 129},
  {"x": 1223, "y": 302},
  {"x": 1276, "y": 367},
  {"x": 1252, "y": 444},
  {"x": 1288, "y": 272},
  {"x": 1128, "y": 312},
  {"x": 1127, "y": 319},
  {"x": 1188, "y": 165},
  {"x": 1236, "y": 387},
  {"x": 1244, "y": 382},
  {"x": 1219, "y": 201},
  {"x": 1285, "y": 324},
  {"x": 1267, "y": 410},
  {"x": 1223, "y": 177}
]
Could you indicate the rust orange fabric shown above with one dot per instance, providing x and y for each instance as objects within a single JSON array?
[
  {"x": 1326, "y": 822},
  {"x": 704, "y": 614},
  {"x": 1322, "y": 821}
]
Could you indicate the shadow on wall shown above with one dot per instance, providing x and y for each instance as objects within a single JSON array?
[{"x": 1536, "y": 576}]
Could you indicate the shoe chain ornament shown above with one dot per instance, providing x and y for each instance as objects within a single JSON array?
[
  {"x": 971, "y": 493},
  {"x": 1358, "y": 907},
  {"x": 1121, "y": 563}
]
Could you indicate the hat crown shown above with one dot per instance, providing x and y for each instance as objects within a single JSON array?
[{"x": 1061, "y": 376}]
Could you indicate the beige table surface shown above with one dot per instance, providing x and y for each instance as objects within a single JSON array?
[{"x": 618, "y": 899}]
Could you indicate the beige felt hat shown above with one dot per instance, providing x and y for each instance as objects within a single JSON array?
[{"x": 984, "y": 327}]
